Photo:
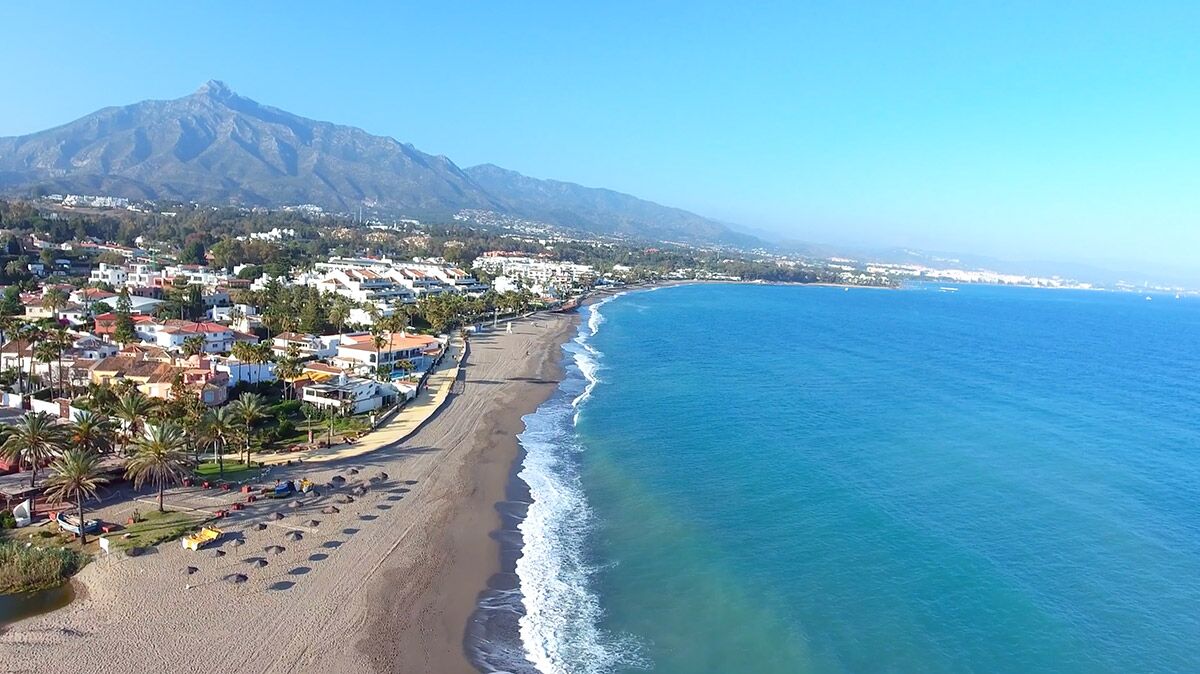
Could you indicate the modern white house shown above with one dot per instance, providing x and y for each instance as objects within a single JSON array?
[
  {"x": 307, "y": 345},
  {"x": 349, "y": 395},
  {"x": 239, "y": 371},
  {"x": 357, "y": 351}
]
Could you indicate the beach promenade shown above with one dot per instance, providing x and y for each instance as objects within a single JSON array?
[
  {"x": 379, "y": 574},
  {"x": 429, "y": 400}
]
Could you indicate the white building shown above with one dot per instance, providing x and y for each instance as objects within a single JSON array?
[
  {"x": 172, "y": 333},
  {"x": 358, "y": 352},
  {"x": 349, "y": 395},
  {"x": 537, "y": 272}
]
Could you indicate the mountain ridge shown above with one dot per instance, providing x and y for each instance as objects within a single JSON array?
[{"x": 216, "y": 146}]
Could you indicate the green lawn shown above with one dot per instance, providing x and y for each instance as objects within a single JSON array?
[
  {"x": 155, "y": 528},
  {"x": 233, "y": 469}
]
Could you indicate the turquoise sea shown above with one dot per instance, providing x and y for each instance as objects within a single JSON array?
[{"x": 800, "y": 479}]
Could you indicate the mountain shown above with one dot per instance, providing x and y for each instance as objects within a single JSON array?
[
  {"x": 599, "y": 210},
  {"x": 215, "y": 146}
]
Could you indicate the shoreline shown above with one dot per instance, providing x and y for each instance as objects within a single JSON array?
[
  {"x": 386, "y": 582},
  {"x": 467, "y": 550}
]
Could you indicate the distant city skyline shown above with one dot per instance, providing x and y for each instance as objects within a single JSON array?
[{"x": 1029, "y": 132}]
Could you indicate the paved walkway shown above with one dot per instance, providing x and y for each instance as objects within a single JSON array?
[{"x": 428, "y": 401}]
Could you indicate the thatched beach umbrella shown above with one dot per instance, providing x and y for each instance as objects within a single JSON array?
[
  {"x": 218, "y": 553},
  {"x": 345, "y": 499},
  {"x": 311, "y": 523},
  {"x": 276, "y": 516},
  {"x": 337, "y": 480},
  {"x": 295, "y": 504},
  {"x": 383, "y": 476},
  {"x": 330, "y": 510},
  {"x": 237, "y": 542},
  {"x": 236, "y": 578},
  {"x": 260, "y": 526},
  {"x": 190, "y": 570},
  {"x": 353, "y": 471},
  {"x": 274, "y": 549},
  {"x": 258, "y": 562},
  {"x": 293, "y": 535}
]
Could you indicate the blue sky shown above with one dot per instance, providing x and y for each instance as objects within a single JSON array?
[{"x": 1027, "y": 131}]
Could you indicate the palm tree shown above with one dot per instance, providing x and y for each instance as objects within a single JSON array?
[
  {"x": 263, "y": 353},
  {"x": 34, "y": 440},
  {"x": 192, "y": 346},
  {"x": 101, "y": 397},
  {"x": 7, "y": 330},
  {"x": 92, "y": 431},
  {"x": 235, "y": 316},
  {"x": 397, "y": 322},
  {"x": 379, "y": 341},
  {"x": 287, "y": 369},
  {"x": 218, "y": 427},
  {"x": 54, "y": 300},
  {"x": 27, "y": 334},
  {"x": 45, "y": 352},
  {"x": 249, "y": 409},
  {"x": 310, "y": 413},
  {"x": 132, "y": 408},
  {"x": 75, "y": 476},
  {"x": 406, "y": 366},
  {"x": 61, "y": 341},
  {"x": 241, "y": 352},
  {"x": 339, "y": 313},
  {"x": 159, "y": 456}
]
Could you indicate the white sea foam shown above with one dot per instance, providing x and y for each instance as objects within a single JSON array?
[{"x": 560, "y": 629}]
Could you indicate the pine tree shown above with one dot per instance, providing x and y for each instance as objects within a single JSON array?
[{"x": 123, "y": 327}]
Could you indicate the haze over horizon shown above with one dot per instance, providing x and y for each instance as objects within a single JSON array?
[{"x": 1023, "y": 133}]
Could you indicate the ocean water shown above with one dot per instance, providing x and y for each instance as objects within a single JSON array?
[{"x": 793, "y": 479}]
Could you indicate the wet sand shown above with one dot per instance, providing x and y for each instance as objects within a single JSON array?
[{"x": 387, "y": 583}]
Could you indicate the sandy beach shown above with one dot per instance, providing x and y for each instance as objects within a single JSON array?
[{"x": 387, "y": 582}]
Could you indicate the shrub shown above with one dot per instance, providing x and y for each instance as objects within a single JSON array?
[
  {"x": 7, "y": 520},
  {"x": 25, "y": 569},
  {"x": 284, "y": 429},
  {"x": 287, "y": 408}
]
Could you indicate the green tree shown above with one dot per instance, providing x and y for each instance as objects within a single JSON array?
[
  {"x": 218, "y": 428},
  {"x": 160, "y": 457},
  {"x": 339, "y": 312},
  {"x": 193, "y": 345},
  {"x": 75, "y": 475},
  {"x": 10, "y": 302},
  {"x": 288, "y": 369},
  {"x": 34, "y": 440},
  {"x": 92, "y": 432},
  {"x": 379, "y": 341},
  {"x": 123, "y": 332},
  {"x": 54, "y": 300},
  {"x": 133, "y": 408},
  {"x": 250, "y": 272},
  {"x": 249, "y": 409},
  {"x": 192, "y": 253}
]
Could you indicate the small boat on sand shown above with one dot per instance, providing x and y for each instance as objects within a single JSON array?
[{"x": 70, "y": 523}]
